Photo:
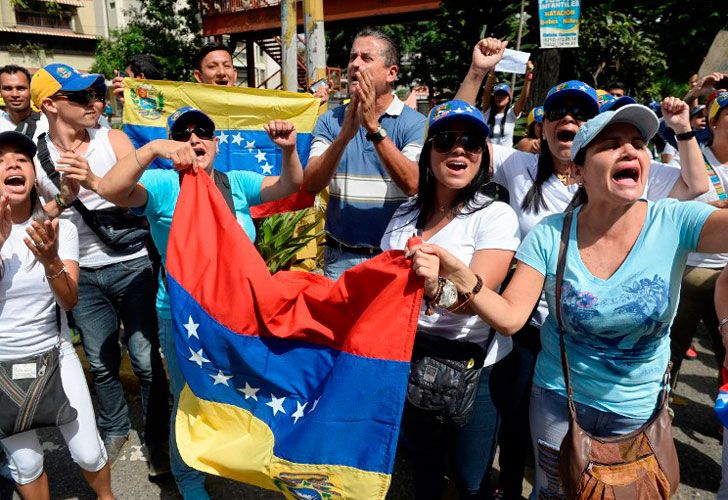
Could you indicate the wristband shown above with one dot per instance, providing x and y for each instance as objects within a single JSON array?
[
  {"x": 139, "y": 165},
  {"x": 722, "y": 324},
  {"x": 60, "y": 202},
  {"x": 685, "y": 136},
  {"x": 529, "y": 76}
]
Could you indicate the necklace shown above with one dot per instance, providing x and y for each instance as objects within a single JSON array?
[
  {"x": 73, "y": 147},
  {"x": 563, "y": 178}
]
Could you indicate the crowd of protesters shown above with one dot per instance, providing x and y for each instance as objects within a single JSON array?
[{"x": 576, "y": 239}]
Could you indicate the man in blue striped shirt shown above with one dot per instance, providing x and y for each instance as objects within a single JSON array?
[{"x": 366, "y": 152}]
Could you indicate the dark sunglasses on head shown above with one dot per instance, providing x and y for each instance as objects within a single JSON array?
[
  {"x": 444, "y": 142},
  {"x": 577, "y": 112},
  {"x": 200, "y": 131},
  {"x": 83, "y": 97}
]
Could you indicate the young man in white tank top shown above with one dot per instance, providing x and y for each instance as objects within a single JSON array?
[{"x": 115, "y": 286}]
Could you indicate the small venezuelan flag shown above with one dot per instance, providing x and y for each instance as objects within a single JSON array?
[
  {"x": 295, "y": 383},
  {"x": 239, "y": 114}
]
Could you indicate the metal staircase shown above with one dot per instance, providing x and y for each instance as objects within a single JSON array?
[{"x": 273, "y": 47}]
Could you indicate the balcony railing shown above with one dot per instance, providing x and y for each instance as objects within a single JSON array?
[{"x": 212, "y": 7}]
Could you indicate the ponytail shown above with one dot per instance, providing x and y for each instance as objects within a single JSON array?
[{"x": 534, "y": 200}]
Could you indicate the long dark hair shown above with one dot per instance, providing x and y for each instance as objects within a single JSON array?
[
  {"x": 424, "y": 202},
  {"x": 534, "y": 200},
  {"x": 491, "y": 118}
]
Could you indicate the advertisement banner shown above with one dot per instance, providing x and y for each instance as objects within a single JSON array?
[{"x": 559, "y": 21}]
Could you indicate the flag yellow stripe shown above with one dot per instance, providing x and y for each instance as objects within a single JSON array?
[
  {"x": 150, "y": 102},
  {"x": 228, "y": 441}
]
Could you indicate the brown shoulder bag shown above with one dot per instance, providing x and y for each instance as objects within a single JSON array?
[{"x": 641, "y": 465}]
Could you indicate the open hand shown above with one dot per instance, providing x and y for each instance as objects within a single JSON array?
[
  {"x": 42, "y": 241},
  {"x": 6, "y": 221},
  {"x": 367, "y": 111}
]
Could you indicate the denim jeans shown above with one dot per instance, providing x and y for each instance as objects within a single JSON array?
[
  {"x": 190, "y": 482},
  {"x": 107, "y": 296},
  {"x": 336, "y": 261},
  {"x": 468, "y": 450},
  {"x": 549, "y": 424}
]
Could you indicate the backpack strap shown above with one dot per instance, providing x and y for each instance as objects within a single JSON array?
[
  {"x": 560, "y": 265},
  {"x": 44, "y": 157},
  {"x": 28, "y": 126},
  {"x": 223, "y": 184}
]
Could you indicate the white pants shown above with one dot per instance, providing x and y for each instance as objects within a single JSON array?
[{"x": 25, "y": 453}]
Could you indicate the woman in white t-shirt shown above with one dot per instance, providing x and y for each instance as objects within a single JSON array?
[
  {"x": 39, "y": 269},
  {"x": 499, "y": 112},
  {"x": 453, "y": 209}
]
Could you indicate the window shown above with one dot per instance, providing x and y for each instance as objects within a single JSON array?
[{"x": 39, "y": 16}]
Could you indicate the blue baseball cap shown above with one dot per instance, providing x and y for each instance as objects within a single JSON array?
[
  {"x": 446, "y": 112},
  {"x": 608, "y": 101},
  {"x": 186, "y": 115},
  {"x": 536, "y": 115},
  {"x": 638, "y": 115},
  {"x": 503, "y": 87},
  {"x": 573, "y": 88},
  {"x": 56, "y": 77}
]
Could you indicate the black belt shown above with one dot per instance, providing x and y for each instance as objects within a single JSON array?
[{"x": 332, "y": 243}]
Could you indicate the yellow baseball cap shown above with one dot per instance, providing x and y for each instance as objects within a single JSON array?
[{"x": 56, "y": 77}]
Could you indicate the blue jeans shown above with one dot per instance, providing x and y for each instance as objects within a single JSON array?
[
  {"x": 337, "y": 261},
  {"x": 467, "y": 450},
  {"x": 190, "y": 482},
  {"x": 107, "y": 296},
  {"x": 549, "y": 424}
]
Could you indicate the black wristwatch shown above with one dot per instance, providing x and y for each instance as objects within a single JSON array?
[
  {"x": 686, "y": 136},
  {"x": 377, "y": 136}
]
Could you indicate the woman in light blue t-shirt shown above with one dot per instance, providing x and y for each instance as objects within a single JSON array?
[{"x": 621, "y": 282}]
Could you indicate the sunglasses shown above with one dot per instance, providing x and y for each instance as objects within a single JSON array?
[
  {"x": 200, "y": 131},
  {"x": 444, "y": 142},
  {"x": 577, "y": 112},
  {"x": 83, "y": 97}
]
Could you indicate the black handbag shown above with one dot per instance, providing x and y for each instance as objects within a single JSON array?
[
  {"x": 444, "y": 377},
  {"x": 32, "y": 395},
  {"x": 117, "y": 228}
]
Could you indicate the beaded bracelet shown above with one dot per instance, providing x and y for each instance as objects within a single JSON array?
[{"x": 61, "y": 202}]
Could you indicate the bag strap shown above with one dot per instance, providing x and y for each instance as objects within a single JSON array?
[
  {"x": 44, "y": 157},
  {"x": 28, "y": 126},
  {"x": 223, "y": 184},
  {"x": 560, "y": 265}
]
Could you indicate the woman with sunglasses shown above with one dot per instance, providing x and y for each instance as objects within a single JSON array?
[
  {"x": 621, "y": 280},
  {"x": 541, "y": 185},
  {"x": 455, "y": 208},
  {"x": 193, "y": 144},
  {"x": 38, "y": 274}
]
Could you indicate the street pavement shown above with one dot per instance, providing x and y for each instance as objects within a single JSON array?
[{"x": 696, "y": 433}]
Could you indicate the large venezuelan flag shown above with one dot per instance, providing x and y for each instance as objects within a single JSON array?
[
  {"x": 295, "y": 383},
  {"x": 239, "y": 114}
]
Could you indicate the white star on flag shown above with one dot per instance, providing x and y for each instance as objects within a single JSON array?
[
  {"x": 723, "y": 397},
  {"x": 221, "y": 378},
  {"x": 459, "y": 110},
  {"x": 223, "y": 136},
  {"x": 299, "y": 411},
  {"x": 249, "y": 145},
  {"x": 583, "y": 88},
  {"x": 315, "y": 404},
  {"x": 267, "y": 168},
  {"x": 276, "y": 404},
  {"x": 191, "y": 328},
  {"x": 249, "y": 392},
  {"x": 237, "y": 139},
  {"x": 260, "y": 156},
  {"x": 198, "y": 357}
]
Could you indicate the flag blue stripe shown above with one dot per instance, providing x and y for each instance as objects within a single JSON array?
[
  {"x": 352, "y": 403},
  {"x": 238, "y": 149}
]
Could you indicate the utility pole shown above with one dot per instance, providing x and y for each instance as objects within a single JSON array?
[
  {"x": 520, "y": 33},
  {"x": 289, "y": 56},
  {"x": 313, "y": 22}
]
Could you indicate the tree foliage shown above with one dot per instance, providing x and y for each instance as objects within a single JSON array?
[{"x": 168, "y": 29}]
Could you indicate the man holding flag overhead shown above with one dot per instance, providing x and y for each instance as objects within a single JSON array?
[{"x": 193, "y": 145}]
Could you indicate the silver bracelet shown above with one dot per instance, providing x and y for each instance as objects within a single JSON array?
[
  {"x": 722, "y": 324},
  {"x": 54, "y": 276}
]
